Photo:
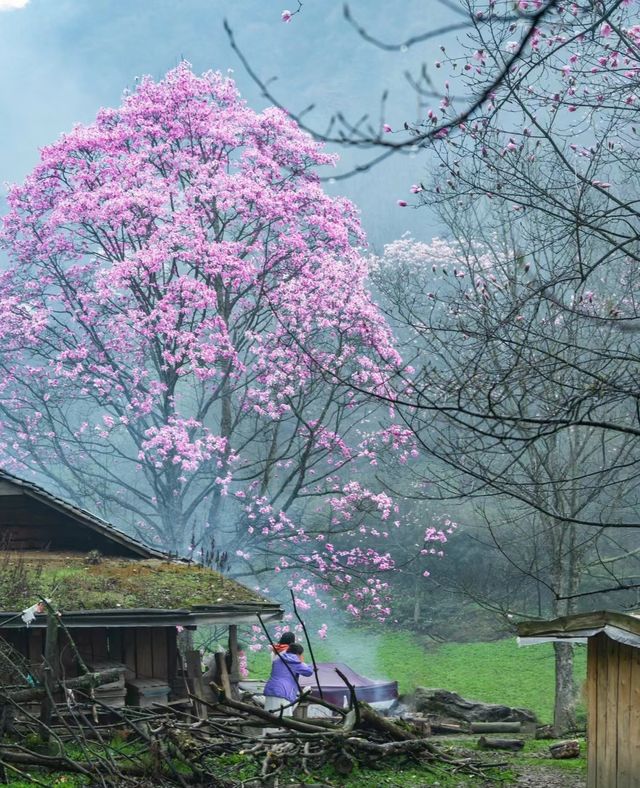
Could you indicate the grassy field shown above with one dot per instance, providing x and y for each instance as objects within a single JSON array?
[{"x": 497, "y": 672}]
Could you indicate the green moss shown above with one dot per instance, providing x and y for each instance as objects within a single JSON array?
[{"x": 78, "y": 584}]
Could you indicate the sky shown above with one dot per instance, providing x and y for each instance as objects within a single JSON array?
[{"x": 61, "y": 60}]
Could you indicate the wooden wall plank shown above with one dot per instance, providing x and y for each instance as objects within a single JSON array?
[
  {"x": 35, "y": 646},
  {"x": 129, "y": 651},
  {"x": 633, "y": 751},
  {"x": 17, "y": 639},
  {"x": 144, "y": 654},
  {"x": 174, "y": 661},
  {"x": 160, "y": 654},
  {"x": 114, "y": 644},
  {"x": 99, "y": 644},
  {"x": 602, "y": 711},
  {"x": 84, "y": 643},
  {"x": 610, "y": 755},
  {"x": 623, "y": 713},
  {"x": 592, "y": 712},
  {"x": 68, "y": 662}
]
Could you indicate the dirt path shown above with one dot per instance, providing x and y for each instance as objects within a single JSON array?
[{"x": 545, "y": 777}]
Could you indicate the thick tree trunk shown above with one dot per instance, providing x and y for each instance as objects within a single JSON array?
[{"x": 564, "y": 713}]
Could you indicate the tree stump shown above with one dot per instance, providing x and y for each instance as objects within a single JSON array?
[{"x": 343, "y": 763}]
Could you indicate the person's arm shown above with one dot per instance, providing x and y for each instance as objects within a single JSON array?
[{"x": 303, "y": 670}]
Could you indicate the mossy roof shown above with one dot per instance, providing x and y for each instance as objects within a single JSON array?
[{"x": 74, "y": 583}]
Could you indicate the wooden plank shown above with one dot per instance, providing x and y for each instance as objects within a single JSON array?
[
  {"x": 194, "y": 679},
  {"x": 99, "y": 644},
  {"x": 129, "y": 651},
  {"x": 34, "y": 647},
  {"x": 159, "y": 653},
  {"x": 6, "y": 488},
  {"x": 68, "y": 667},
  {"x": 175, "y": 669},
  {"x": 624, "y": 772},
  {"x": 634, "y": 720},
  {"x": 84, "y": 643},
  {"x": 17, "y": 639},
  {"x": 234, "y": 668},
  {"x": 602, "y": 709},
  {"x": 144, "y": 654},
  {"x": 114, "y": 645},
  {"x": 610, "y": 755},
  {"x": 50, "y": 674},
  {"x": 592, "y": 711}
]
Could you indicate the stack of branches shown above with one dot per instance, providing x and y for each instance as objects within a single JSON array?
[
  {"x": 354, "y": 735},
  {"x": 171, "y": 747},
  {"x": 52, "y": 724}
]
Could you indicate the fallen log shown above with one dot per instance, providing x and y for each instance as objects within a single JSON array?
[
  {"x": 500, "y": 744},
  {"x": 565, "y": 749},
  {"x": 364, "y": 717},
  {"x": 495, "y": 727},
  {"x": 319, "y": 726},
  {"x": 447, "y": 728},
  {"x": 449, "y": 705},
  {"x": 370, "y": 720},
  {"x": 392, "y": 747},
  {"x": 88, "y": 681}
]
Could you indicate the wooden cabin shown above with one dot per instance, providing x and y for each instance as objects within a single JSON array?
[
  {"x": 612, "y": 690},
  {"x": 123, "y": 603}
]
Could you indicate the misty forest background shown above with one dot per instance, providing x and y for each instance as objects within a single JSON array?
[{"x": 514, "y": 475}]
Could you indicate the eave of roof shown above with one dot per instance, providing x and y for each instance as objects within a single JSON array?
[
  {"x": 622, "y": 627},
  {"x": 241, "y": 612},
  {"x": 82, "y": 516}
]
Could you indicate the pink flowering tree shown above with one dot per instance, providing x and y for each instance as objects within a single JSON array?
[{"x": 178, "y": 285}]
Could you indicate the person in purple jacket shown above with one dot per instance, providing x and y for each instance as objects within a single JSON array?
[{"x": 281, "y": 691}]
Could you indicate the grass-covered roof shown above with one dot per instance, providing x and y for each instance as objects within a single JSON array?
[{"x": 75, "y": 581}]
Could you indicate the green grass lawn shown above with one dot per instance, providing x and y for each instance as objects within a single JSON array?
[{"x": 496, "y": 672}]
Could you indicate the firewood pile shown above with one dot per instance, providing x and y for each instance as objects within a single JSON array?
[
  {"x": 55, "y": 725},
  {"x": 51, "y": 724}
]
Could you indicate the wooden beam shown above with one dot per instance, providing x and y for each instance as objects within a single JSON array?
[
  {"x": 194, "y": 678},
  {"x": 234, "y": 669},
  {"x": 50, "y": 675}
]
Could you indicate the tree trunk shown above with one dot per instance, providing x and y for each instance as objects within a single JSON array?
[
  {"x": 416, "y": 604},
  {"x": 564, "y": 713}
]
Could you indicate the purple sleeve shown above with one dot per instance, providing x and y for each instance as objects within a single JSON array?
[{"x": 303, "y": 670}]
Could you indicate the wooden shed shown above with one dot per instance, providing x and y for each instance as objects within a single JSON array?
[
  {"x": 122, "y": 602},
  {"x": 612, "y": 690}
]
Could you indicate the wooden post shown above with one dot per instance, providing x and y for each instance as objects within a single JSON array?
[
  {"x": 194, "y": 680},
  {"x": 234, "y": 668},
  {"x": 223, "y": 674},
  {"x": 49, "y": 674}
]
